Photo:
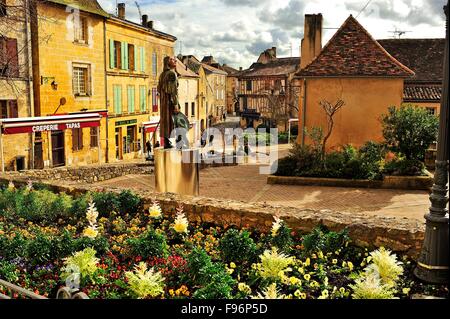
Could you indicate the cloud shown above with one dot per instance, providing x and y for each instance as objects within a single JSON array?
[{"x": 288, "y": 17}]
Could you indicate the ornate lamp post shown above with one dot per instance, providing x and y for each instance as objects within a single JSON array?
[{"x": 433, "y": 262}]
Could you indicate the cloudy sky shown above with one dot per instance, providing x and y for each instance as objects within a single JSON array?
[{"x": 236, "y": 31}]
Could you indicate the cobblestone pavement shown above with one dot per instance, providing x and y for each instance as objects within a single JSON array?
[{"x": 244, "y": 183}]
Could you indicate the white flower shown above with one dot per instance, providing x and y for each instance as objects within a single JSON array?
[
  {"x": 29, "y": 185},
  {"x": 270, "y": 292},
  {"x": 11, "y": 185},
  {"x": 276, "y": 225},
  {"x": 155, "y": 211},
  {"x": 92, "y": 214},
  {"x": 181, "y": 224}
]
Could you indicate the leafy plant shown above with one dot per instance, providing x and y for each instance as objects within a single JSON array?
[
  {"x": 320, "y": 239},
  {"x": 273, "y": 264},
  {"x": 105, "y": 202},
  {"x": 409, "y": 131},
  {"x": 281, "y": 235},
  {"x": 40, "y": 250},
  {"x": 370, "y": 287},
  {"x": 149, "y": 244},
  {"x": 144, "y": 282},
  {"x": 129, "y": 202},
  {"x": 237, "y": 246},
  {"x": 83, "y": 262},
  {"x": 404, "y": 167},
  {"x": 385, "y": 265}
]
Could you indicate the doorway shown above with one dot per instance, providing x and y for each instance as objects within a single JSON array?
[
  {"x": 58, "y": 152},
  {"x": 38, "y": 152}
]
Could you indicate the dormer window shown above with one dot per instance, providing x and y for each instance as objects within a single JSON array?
[{"x": 81, "y": 30}]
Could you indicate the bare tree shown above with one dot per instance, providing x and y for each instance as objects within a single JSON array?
[
  {"x": 282, "y": 104},
  {"x": 330, "y": 111}
]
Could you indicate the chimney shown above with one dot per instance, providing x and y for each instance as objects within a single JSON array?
[
  {"x": 240, "y": 68},
  {"x": 144, "y": 20},
  {"x": 274, "y": 50},
  {"x": 150, "y": 24},
  {"x": 312, "y": 39},
  {"x": 121, "y": 10}
]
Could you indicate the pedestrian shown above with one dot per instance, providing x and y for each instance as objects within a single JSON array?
[
  {"x": 148, "y": 147},
  {"x": 157, "y": 144}
]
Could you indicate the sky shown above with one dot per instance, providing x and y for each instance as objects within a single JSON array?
[{"x": 235, "y": 32}]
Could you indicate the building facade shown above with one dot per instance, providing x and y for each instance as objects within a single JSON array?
[
  {"x": 268, "y": 91},
  {"x": 16, "y": 86},
  {"x": 353, "y": 68},
  {"x": 135, "y": 60}
]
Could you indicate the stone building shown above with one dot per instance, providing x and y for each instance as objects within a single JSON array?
[
  {"x": 135, "y": 54},
  {"x": 352, "y": 67},
  {"x": 268, "y": 91},
  {"x": 16, "y": 84}
]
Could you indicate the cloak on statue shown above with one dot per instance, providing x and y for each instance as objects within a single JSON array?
[{"x": 168, "y": 94}]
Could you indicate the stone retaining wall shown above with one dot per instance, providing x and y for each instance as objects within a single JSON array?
[
  {"x": 389, "y": 182},
  {"x": 398, "y": 234},
  {"x": 84, "y": 174}
]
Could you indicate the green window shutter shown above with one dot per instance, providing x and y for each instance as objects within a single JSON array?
[
  {"x": 143, "y": 98},
  {"x": 127, "y": 65},
  {"x": 117, "y": 99},
  {"x": 122, "y": 55},
  {"x": 131, "y": 99},
  {"x": 112, "y": 61},
  {"x": 135, "y": 57},
  {"x": 143, "y": 59}
]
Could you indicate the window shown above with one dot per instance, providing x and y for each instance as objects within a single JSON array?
[
  {"x": 81, "y": 80},
  {"x": 186, "y": 109},
  {"x": 81, "y": 30},
  {"x": 193, "y": 109},
  {"x": 431, "y": 110},
  {"x": 77, "y": 139},
  {"x": 2, "y": 8},
  {"x": 154, "y": 100},
  {"x": 249, "y": 85},
  {"x": 129, "y": 140},
  {"x": 143, "y": 98},
  {"x": 115, "y": 54},
  {"x": 94, "y": 137},
  {"x": 130, "y": 98},
  {"x": 9, "y": 59},
  {"x": 8, "y": 109},
  {"x": 131, "y": 57},
  {"x": 117, "y": 99},
  {"x": 154, "y": 64}
]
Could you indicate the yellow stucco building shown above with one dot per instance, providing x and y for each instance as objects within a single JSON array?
[
  {"x": 135, "y": 56},
  {"x": 16, "y": 86}
]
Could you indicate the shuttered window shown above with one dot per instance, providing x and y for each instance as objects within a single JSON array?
[
  {"x": 130, "y": 97},
  {"x": 117, "y": 99},
  {"x": 94, "y": 137},
  {"x": 142, "y": 59},
  {"x": 77, "y": 139},
  {"x": 143, "y": 98},
  {"x": 9, "y": 59},
  {"x": 80, "y": 29},
  {"x": 124, "y": 51},
  {"x": 112, "y": 54},
  {"x": 154, "y": 64},
  {"x": 154, "y": 100},
  {"x": 8, "y": 109},
  {"x": 2, "y": 8}
]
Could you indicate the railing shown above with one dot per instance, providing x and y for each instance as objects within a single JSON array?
[{"x": 63, "y": 293}]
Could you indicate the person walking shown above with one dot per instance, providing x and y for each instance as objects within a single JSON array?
[{"x": 148, "y": 147}]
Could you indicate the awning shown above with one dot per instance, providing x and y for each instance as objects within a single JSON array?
[
  {"x": 150, "y": 127},
  {"x": 49, "y": 123}
]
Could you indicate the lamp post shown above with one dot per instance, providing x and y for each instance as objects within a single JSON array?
[{"x": 432, "y": 266}]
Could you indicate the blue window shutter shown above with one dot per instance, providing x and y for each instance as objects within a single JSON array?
[{"x": 112, "y": 60}]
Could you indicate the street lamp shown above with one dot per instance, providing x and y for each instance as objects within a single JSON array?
[{"x": 432, "y": 266}]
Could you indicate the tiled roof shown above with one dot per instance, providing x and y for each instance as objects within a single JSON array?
[
  {"x": 209, "y": 68},
  {"x": 184, "y": 71},
  {"x": 422, "y": 93},
  {"x": 352, "y": 52},
  {"x": 424, "y": 56},
  {"x": 91, "y": 6},
  {"x": 280, "y": 66},
  {"x": 229, "y": 69}
]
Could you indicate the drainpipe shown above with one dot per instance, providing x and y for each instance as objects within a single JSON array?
[
  {"x": 304, "y": 113},
  {"x": 34, "y": 30},
  {"x": 29, "y": 84},
  {"x": 106, "y": 93}
]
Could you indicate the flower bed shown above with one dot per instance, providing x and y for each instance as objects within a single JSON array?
[{"x": 111, "y": 248}]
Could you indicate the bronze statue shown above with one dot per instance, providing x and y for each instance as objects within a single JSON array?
[{"x": 168, "y": 92}]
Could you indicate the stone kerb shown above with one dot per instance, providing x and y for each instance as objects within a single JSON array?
[{"x": 398, "y": 234}]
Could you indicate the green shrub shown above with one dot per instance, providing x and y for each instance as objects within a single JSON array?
[
  {"x": 237, "y": 246},
  {"x": 334, "y": 164},
  {"x": 372, "y": 156},
  {"x": 410, "y": 131},
  {"x": 285, "y": 166},
  {"x": 306, "y": 157},
  {"x": 320, "y": 239},
  {"x": 283, "y": 238},
  {"x": 40, "y": 250},
  {"x": 404, "y": 167},
  {"x": 8, "y": 271},
  {"x": 79, "y": 206},
  {"x": 100, "y": 244},
  {"x": 105, "y": 202},
  {"x": 129, "y": 202},
  {"x": 13, "y": 248},
  {"x": 149, "y": 244}
]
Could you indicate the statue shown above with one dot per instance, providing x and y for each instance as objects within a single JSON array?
[
  {"x": 168, "y": 92},
  {"x": 171, "y": 117}
]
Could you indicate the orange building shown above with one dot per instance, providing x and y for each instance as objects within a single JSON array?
[{"x": 352, "y": 67}]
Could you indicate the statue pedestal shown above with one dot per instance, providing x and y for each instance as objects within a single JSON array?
[{"x": 177, "y": 171}]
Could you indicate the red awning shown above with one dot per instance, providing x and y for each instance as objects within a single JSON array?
[
  {"x": 150, "y": 127},
  {"x": 49, "y": 123}
]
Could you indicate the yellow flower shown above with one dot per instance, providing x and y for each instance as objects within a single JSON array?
[
  {"x": 181, "y": 224},
  {"x": 325, "y": 293},
  {"x": 307, "y": 262},
  {"x": 244, "y": 288},
  {"x": 303, "y": 295},
  {"x": 307, "y": 277},
  {"x": 297, "y": 293},
  {"x": 232, "y": 265},
  {"x": 230, "y": 271},
  {"x": 314, "y": 256},
  {"x": 90, "y": 232},
  {"x": 342, "y": 290},
  {"x": 350, "y": 265},
  {"x": 320, "y": 254},
  {"x": 295, "y": 281},
  {"x": 301, "y": 270},
  {"x": 335, "y": 261},
  {"x": 155, "y": 211},
  {"x": 406, "y": 290},
  {"x": 344, "y": 264},
  {"x": 325, "y": 281}
]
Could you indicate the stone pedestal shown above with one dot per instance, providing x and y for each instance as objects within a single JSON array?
[{"x": 177, "y": 171}]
